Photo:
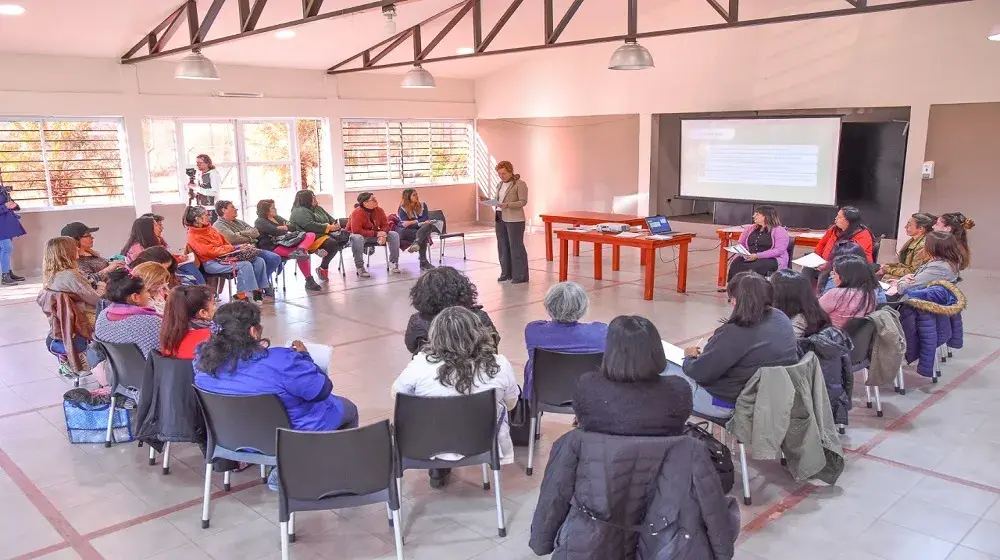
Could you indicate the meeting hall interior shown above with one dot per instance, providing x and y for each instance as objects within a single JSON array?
[{"x": 499, "y": 279}]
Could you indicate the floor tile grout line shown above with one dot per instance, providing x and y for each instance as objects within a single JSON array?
[
  {"x": 983, "y": 335},
  {"x": 29, "y": 411},
  {"x": 771, "y": 514},
  {"x": 928, "y": 472},
  {"x": 47, "y": 509}
]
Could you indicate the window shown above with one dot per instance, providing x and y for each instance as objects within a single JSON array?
[
  {"x": 379, "y": 153},
  {"x": 66, "y": 162}
]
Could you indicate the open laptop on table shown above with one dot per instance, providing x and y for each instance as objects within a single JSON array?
[{"x": 659, "y": 225}]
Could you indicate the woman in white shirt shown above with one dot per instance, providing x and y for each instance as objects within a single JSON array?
[{"x": 460, "y": 358}]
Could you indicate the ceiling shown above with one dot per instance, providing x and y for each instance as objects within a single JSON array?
[{"x": 108, "y": 28}]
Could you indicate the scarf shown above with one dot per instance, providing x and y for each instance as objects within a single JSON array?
[
  {"x": 120, "y": 311},
  {"x": 195, "y": 324}
]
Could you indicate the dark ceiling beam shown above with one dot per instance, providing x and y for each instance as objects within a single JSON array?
[
  {"x": 150, "y": 40},
  {"x": 311, "y": 7},
  {"x": 206, "y": 24},
  {"x": 791, "y": 18},
  {"x": 858, "y": 3},
  {"x": 731, "y": 14},
  {"x": 444, "y": 31},
  {"x": 570, "y": 12},
  {"x": 247, "y": 13},
  {"x": 399, "y": 40},
  {"x": 477, "y": 23},
  {"x": 192, "y": 20},
  {"x": 547, "y": 9},
  {"x": 496, "y": 28}
]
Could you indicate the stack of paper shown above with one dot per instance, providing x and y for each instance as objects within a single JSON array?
[
  {"x": 675, "y": 358},
  {"x": 629, "y": 234},
  {"x": 659, "y": 237},
  {"x": 321, "y": 354},
  {"x": 885, "y": 285},
  {"x": 738, "y": 250},
  {"x": 812, "y": 260}
]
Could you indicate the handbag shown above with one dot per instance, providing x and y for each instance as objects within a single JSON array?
[
  {"x": 721, "y": 456},
  {"x": 244, "y": 253},
  {"x": 290, "y": 239},
  {"x": 520, "y": 422}
]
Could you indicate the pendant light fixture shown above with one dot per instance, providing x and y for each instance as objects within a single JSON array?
[
  {"x": 418, "y": 78},
  {"x": 994, "y": 34},
  {"x": 631, "y": 55},
  {"x": 196, "y": 66}
]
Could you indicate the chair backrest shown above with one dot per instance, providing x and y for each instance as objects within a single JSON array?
[
  {"x": 861, "y": 331},
  {"x": 317, "y": 465},
  {"x": 127, "y": 364},
  {"x": 243, "y": 423},
  {"x": 791, "y": 250},
  {"x": 429, "y": 426},
  {"x": 439, "y": 215},
  {"x": 554, "y": 375},
  {"x": 876, "y": 246}
]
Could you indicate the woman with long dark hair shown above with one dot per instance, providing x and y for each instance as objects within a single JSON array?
[
  {"x": 147, "y": 234},
  {"x": 795, "y": 297},
  {"x": 273, "y": 228},
  {"x": 958, "y": 225},
  {"x": 912, "y": 255},
  {"x": 415, "y": 226},
  {"x": 847, "y": 226},
  {"x": 755, "y": 335},
  {"x": 460, "y": 358},
  {"x": 209, "y": 185},
  {"x": 946, "y": 258},
  {"x": 186, "y": 321},
  {"x": 855, "y": 291},
  {"x": 766, "y": 241},
  {"x": 142, "y": 236},
  {"x": 308, "y": 216}
]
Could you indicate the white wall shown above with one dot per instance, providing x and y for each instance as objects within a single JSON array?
[{"x": 914, "y": 58}]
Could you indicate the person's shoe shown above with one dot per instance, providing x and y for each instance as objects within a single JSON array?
[
  {"x": 241, "y": 297},
  {"x": 426, "y": 265},
  {"x": 525, "y": 281},
  {"x": 269, "y": 292},
  {"x": 503, "y": 279},
  {"x": 17, "y": 278},
  {"x": 394, "y": 268},
  {"x": 299, "y": 254},
  {"x": 439, "y": 477},
  {"x": 312, "y": 286},
  {"x": 7, "y": 280},
  {"x": 323, "y": 273},
  {"x": 413, "y": 248},
  {"x": 258, "y": 295},
  {"x": 362, "y": 272}
]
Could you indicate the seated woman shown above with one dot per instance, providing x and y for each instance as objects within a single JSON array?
[
  {"x": 460, "y": 358},
  {"x": 60, "y": 274},
  {"x": 146, "y": 233},
  {"x": 272, "y": 228},
  {"x": 767, "y": 242},
  {"x": 129, "y": 319},
  {"x": 415, "y": 226},
  {"x": 854, "y": 294},
  {"x": 237, "y": 360},
  {"x": 795, "y": 297},
  {"x": 846, "y": 226},
  {"x": 157, "y": 280},
  {"x": 755, "y": 335},
  {"x": 629, "y": 396},
  {"x": 91, "y": 263},
  {"x": 162, "y": 257},
  {"x": 434, "y": 291},
  {"x": 187, "y": 321},
  {"x": 946, "y": 258},
  {"x": 958, "y": 225},
  {"x": 566, "y": 303},
  {"x": 238, "y": 232},
  {"x": 216, "y": 255},
  {"x": 912, "y": 255},
  {"x": 308, "y": 216},
  {"x": 847, "y": 249}
]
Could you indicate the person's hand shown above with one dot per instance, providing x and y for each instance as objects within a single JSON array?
[
  {"x": 692, "y": 352},
  {"x": 11, "y": 204},
  {"x": 483, "y": 198},
  {"x": 880, "y": 272},
  {"x": 101, "y": 286},
  {"x": 298, "y": 346},
  {"x": 750, "y": 258},
  {"x": 409, "y": 223},
  {"x": 112, "y": 266},
  {"x": 907, "y": 278},
  {"x": 502, "y": 206},
  {"x": 283, "y": 228}
]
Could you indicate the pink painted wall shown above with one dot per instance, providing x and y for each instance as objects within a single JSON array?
[
  {"x": 572, "y": 163},
  {"x": 457, "y": 201}
]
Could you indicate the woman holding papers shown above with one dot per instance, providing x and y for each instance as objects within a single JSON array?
[
  {"x": 846, "y": 226},
  {"x": 511, "y": 196},
  {"x": 763, "y": 245}
]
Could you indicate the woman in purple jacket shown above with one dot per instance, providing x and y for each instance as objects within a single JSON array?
[
  {"x": 767, "y": 242},
  {"x": 10, "y": 227}
]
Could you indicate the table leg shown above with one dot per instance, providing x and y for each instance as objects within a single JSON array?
[
  {"x": 616, "y": 257},
  {"x": 548, "y": 241},
  {"x": 723, "y": 259},
  {"x": 563, "y": 259},
  {"x": 650, "y": 257},
  {"x": 576, "y": 245},
  {"x": 642, "y": 257},
  {"x": 682, "y": 268},
  {"x": 598, "y": 261}
]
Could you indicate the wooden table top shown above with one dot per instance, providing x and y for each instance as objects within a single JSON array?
[
  {"x": 591, "y": 218},
  {"x": 613, "y": 239}
]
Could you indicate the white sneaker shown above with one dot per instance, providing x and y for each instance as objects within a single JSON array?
[
  {"x": 394, "y": 268},
  {"x": 413, "y": 248},
  {"x": 362, "y": 273}
]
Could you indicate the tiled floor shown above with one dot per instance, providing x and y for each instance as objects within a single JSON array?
[{"x": 921, "y": 483}]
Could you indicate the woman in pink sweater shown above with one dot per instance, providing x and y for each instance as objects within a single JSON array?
[{"x": 854, "y": 294}]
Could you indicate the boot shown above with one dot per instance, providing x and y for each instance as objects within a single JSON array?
[
  {"x": 312, "y": 286},
  {"x": 15, "y": 277},
  {"x": 8, "y": 280},
  {"x": 426, "y": 265},
  {"x": 299, "y": 254}
]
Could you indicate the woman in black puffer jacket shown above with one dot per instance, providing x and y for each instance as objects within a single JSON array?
[{"x": 436, "y": 290}]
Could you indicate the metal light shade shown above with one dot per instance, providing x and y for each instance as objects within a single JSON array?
[
  {"x": 417, "y": 77},
  {"x": 196, "y": 66},
  {"x": 631, "y": 56},
  {"x": 994, "y": 33}
]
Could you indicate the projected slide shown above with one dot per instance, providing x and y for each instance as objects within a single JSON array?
[{"x": 765, "y": 160}]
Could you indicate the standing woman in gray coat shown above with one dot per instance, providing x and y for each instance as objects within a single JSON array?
[{"x": 512, "y": 195}]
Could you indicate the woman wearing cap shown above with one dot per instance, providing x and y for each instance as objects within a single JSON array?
[
  {"x": 511, "y": 196},
  {"x": 10, "y": 227},
  {"x": 369, "y": 224},
  {"x": 95, "y": 267}
]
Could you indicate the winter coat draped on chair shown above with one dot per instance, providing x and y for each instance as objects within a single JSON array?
[{"x": 931, "y": 316}]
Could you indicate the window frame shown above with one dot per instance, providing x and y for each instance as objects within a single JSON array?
[{"x": 128, "y": 185}]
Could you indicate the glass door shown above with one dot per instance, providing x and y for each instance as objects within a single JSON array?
[{"x": 269, "y": 157}]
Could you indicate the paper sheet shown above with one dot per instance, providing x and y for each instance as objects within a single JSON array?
[
  {"x": 885, "y": 285},
  {"x": 737, "y": 250},
  {"x": 321, "y": 354},
  {"x": 188, "y": 260},
  {"x": 629, "y": 234},
  {"x": 733, "y": 229},
  {"x": 659, "y": 237},
  {"x": 812, "y": 234},
  {"x": 490, "y": 202},
  {"x": 812, "y": 260},
  {"x": 675, "y": 354}
]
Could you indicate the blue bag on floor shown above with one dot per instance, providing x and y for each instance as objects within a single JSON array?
[{"x": 88, "y": 423}]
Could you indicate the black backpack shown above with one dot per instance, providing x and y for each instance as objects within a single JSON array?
[{"x": 720, "y": 455}]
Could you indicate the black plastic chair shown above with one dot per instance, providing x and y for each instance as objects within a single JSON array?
[
  {"x": 445, "y": 234},
  {"x": 791, "y": 250},
  {"x": 215, "y": 281},
  {"x": 861, "y": 331},
  {"x": 553, "y": 382},
  {"x": 467, "y": 425},
  {"x": 125, "y": 374},
  {"x": 333, "y": 470},
  {"x": 240, "y": 428},
  {"x": 876, "y": 246},
  {"x": 180, "y": 372}
]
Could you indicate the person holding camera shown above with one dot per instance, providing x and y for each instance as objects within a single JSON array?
[
  {"x": 10, "y": 227},
  {"x": 207, "y": 189}
]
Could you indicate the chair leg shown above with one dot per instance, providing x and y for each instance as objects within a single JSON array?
[
  {"x": 206, "y": 500},
  {"x": 388, "y": 511},
  {"x": 531, "y": 444},
  {"x": 902, "y": 382},
  {"x": 745, "y": 474},
  {"x": 868, "y": 391},
  {"x": 291, "y": 527},
  {"x": 486, "y": 478},
  {"x": 397, "y": 534},
  {"x": 263, "y": 474},
  {"x": 501, "y": 524},
  {"x": 399, "y": 494},
  {"x": 942, "y": 354},
  {"x": 386, "y": 246},
  {"x": 464, "y": 254},
  {"x": 225, "y": 482},
  {"x": 878, "y": 403},
  {"x": 343, "y": 268},
  {"x": 284, "y": 540},
  {"x": 441, "y": 253},
  {"x": 152, "y": 456},
  {"x": 166, "y": 458},
  {"x": 111, "y": 421},
  {"x": 949, "y": 351}
]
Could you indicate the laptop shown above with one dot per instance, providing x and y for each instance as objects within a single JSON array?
[{"x": 658, "y": 225}]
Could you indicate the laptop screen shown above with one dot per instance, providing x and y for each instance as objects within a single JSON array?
[{"x": 658, "y": 224}]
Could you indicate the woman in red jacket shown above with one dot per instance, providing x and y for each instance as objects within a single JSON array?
[
  {"x": 186, "y": 321},
  {"x": 846, "y": 226}
]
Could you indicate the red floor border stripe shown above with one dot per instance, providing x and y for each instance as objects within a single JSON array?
[
  {"x": 772, "y": 513},
  {"x": 43, "y": 551}
]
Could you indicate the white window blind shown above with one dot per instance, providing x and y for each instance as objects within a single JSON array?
[
  {"x": 70, "y": 162},
  {"x": 397, "y": 152}
]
